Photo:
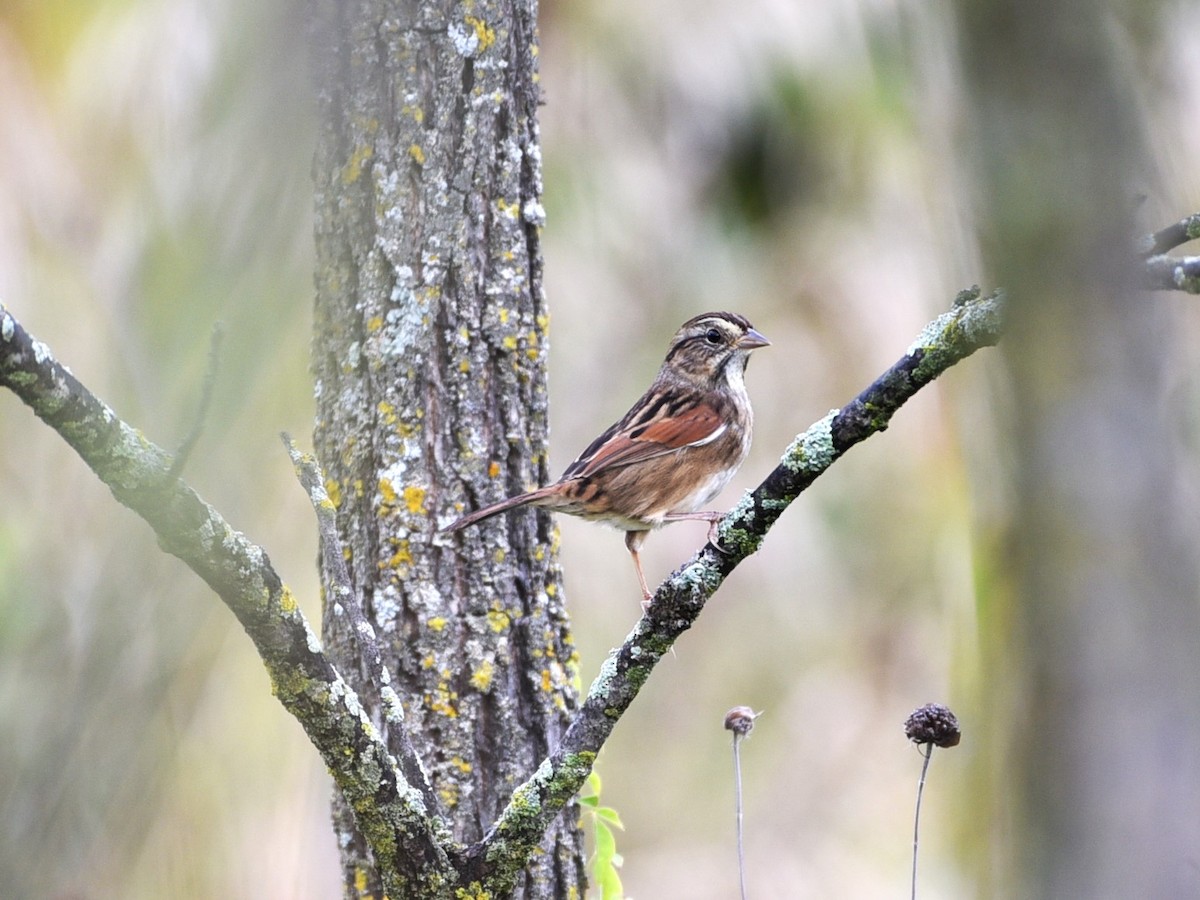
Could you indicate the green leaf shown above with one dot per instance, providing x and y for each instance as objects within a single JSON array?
[
  {"x": 610, "y": 885},
  {"x": 606, "y": 845},
  {"x": 609, "y": 815}
]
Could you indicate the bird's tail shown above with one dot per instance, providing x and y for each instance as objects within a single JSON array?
[{"x": 496, "y": 508}]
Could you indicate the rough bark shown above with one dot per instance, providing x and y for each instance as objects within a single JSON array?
[{"x": 429, "y": 359}]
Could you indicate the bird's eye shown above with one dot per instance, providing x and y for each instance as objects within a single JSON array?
[{"x": 713, "y": 336}]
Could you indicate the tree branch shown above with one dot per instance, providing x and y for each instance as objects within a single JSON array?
[
  {"x": 1172, "y": 273},
  {"x": 210, "y": 379},
  {"x": 1186, "y": 229},
  {"x": 391, "y": 811}
]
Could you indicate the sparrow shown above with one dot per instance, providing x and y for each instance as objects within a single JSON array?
[{"x": 674, "y": 450}]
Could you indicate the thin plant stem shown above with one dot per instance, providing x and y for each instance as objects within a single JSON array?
[
  {"x": 927, "y": 752},
  {"x": 737, "y": 799}
]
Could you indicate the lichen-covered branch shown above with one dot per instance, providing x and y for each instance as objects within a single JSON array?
[
  {"x": 973, "y": 323},
  {"x": 1173, "y": 273},
  {"x": 1174, "y": 235},
  {"x": 139, "y": 474}
]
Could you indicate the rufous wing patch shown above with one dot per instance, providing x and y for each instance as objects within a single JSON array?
[{"x": 694, "y": 426}]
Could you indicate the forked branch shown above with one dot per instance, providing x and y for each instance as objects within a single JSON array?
[{"x": 391, "y": 800}]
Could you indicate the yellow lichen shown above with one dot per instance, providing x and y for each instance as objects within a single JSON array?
[
  {"x": 509, "y": 342},
  {"x": 354, "y": 165},
  {"x": 442, "y": 701},
  {"x": 386, "y": 491},
  {"x": 402, "y": 556},
  {"x": 473, "y": 891},
  {"x": 334, "y": 490},
  {"x": 360, "y": 880},
  {"x": 498, "y": 620},
  {"x": 461, "y": 764},
  {"x": 387, "y": 412},
  {"x": 287, "y": 600},
  {"x": 493, "y": 469},
  {"x": 414, "y": 499},
  {"x": 498, "y": 556},
  {"x": 374, "y": 323},
  {"x": 485, "y": 34},
  {"x": 437, "y": 623},
  {"x": 417, "y": 154},
  {"x": 481, "y": 678}
]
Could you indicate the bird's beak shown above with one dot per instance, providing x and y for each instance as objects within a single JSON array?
[{"x": 752, "y": 339}]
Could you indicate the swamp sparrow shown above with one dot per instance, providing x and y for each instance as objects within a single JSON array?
[{"x": 673, "y": 451}]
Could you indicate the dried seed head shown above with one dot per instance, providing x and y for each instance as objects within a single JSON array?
[
  {"x": 740, "y": 720},
  {"x": 933, "y": 724}
]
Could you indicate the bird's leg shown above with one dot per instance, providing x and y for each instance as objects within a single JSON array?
[
  {"x": 633, "y": 542},
  {"x": 712, "y": 517}
]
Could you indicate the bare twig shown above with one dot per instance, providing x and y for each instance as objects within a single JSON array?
[
  {"x": 1174, "y": 235},
  {"x": 346, "y": 598},
  {"x": 210, "y": 379},
  {"x": 1173, "y": 273}
]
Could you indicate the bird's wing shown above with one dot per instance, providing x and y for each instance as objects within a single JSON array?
[{"x": 659, "y": 430}]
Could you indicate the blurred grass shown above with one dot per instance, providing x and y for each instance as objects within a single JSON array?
[{"x": 795, "y": 163}]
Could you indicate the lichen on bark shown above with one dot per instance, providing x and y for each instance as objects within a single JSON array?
[{"x": 429, "y": 354}]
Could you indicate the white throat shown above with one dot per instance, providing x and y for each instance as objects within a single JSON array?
[{"x": 735, "y": 376}]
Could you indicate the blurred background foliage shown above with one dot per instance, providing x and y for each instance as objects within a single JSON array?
[{"x": 799, "y": 163}]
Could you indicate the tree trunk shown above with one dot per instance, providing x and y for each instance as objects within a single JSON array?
[
  {"x": 1095, "y": 662},
  {"x": 429, "y": 358}
]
